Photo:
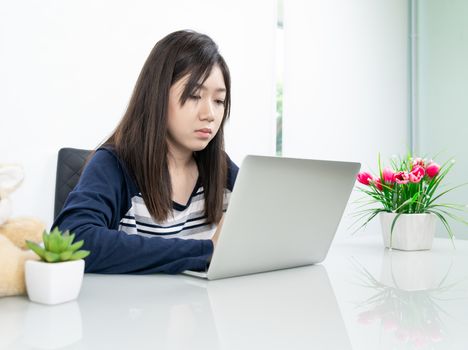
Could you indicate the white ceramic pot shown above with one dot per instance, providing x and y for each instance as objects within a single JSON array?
[
  {"x": 53, "y": 283},
  {"x": 411, "y": 231}
]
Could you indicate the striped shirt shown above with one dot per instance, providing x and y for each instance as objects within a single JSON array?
[{"x": 186, "y": 222}]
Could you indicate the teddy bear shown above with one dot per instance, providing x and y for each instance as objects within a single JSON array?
[{"x": 13, "y": 235}]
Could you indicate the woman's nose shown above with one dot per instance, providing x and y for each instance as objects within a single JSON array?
[{"x": 207, "y": 111}]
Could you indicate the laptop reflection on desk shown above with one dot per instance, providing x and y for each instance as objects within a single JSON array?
[{"x": 287, "y": 309}]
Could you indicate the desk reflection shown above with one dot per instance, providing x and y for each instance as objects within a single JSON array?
[
  {"x": 411, "y": 299},
  {"x": 12, "y": 314},
  {"x": 27, "y": 325},
  {"x": 145, "y": 312},
  {"x": 55, "y": 327},
  {"x": 404, "y": 300},
  {"x": 293, "y": 308},
  {"x": 288, "y": 309}
]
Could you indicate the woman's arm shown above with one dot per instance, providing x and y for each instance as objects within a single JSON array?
[{"x": 93, "y": 211}]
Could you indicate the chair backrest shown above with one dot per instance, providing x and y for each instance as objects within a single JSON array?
[{"x": 70, "y": 164}]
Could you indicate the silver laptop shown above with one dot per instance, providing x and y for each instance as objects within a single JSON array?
[{"x": 283, "y": 213}]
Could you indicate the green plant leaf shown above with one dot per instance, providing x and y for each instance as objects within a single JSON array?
[
  {"x": 80, "y": 254},
  {"x": 75, "y": 246},
  {"x": 51, "y": 257},
  {"x": 443, "y": 193},
  {"x": 58, "y": 246},
  {"x": 459, "y": 207},
  {"x": 371, "y": 216},
  {"x": 67, "y": 239},
  {"x": 64, "y": 241},
  {"x": 36, "y": 248},
  {"x": 445, "y": 223},
  {"x": 436, "y": 180},
  {"x": 54, "y": 243},
  {"x": 65, "y": 256},
  {"x": 451, "y": 215},
  {"x": 406, "y": 203}
]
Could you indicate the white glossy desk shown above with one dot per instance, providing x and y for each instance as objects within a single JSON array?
[{"x": 361, "y": 297}]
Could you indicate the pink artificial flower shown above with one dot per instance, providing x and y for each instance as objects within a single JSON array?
[
  {"x": 364, "y": 178},
  {"x": 432, "y": 169},
  {"x": 388, "y": 176},
  {"x": 416, "y": 175},
  {"x": 402, "y": 177},
  {"x": 378, "y": 184},
  {"x": 419, "y": 161}
]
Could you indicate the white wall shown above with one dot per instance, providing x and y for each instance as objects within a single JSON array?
[
  {"x": 346, "y": 82},
  {"x": 67, "y": 69}
]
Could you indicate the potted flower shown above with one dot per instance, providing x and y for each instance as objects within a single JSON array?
[
  {"x": 408, "y": 194},
  {"x": 57, "y": 277}
]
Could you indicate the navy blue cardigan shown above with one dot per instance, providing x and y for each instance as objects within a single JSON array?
[{"x": 94, "y": 209}]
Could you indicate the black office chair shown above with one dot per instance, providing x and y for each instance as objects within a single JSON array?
[{"x": 70, "y": 164}]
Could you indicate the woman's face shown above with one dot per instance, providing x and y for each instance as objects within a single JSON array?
[{"x": 192, "y": 126}]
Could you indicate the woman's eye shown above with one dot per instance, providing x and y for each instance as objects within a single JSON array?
[{"x": 220, "y": 102}]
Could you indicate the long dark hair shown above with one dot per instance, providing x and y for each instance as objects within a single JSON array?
[{"x": 140, "y": 138}]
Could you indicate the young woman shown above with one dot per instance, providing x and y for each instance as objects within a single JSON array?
[{"x": 153, "y": 195}]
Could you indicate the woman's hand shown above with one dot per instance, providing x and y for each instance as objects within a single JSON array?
[{"x": 214, "y": 239}]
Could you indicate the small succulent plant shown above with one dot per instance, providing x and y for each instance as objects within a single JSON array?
[{"x": 58, "y": 247}]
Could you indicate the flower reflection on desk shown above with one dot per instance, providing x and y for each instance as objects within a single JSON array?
[{"x": 411, "y": 317}]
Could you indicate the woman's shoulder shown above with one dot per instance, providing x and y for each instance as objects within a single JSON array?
[
  {"x": 104, "y": 158},
  {"x": 106, "y": 162},
  {"x": 108, "y": 154}
]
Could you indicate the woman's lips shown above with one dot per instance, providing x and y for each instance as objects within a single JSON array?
[{"x": 204, "y": 133}]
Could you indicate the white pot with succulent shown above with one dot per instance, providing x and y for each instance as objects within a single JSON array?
[{"x": 57, "y": 277}]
